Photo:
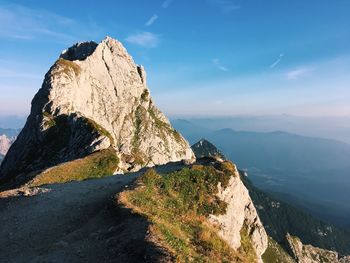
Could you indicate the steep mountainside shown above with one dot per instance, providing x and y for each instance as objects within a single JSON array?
[
  {"x": 202, "y": 212},
  {"x": 311, "y": 173},
  {"x": 280, "y": 218},
  {"x": 94, "y": 97}
]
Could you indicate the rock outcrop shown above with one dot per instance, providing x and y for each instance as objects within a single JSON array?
[
  {"x": 310, "y": 254},
  {"x": 240, "y": 218},
  {"x": 5, "y": 143},
  {"x": 205, "y": 149},
  {"x": 94, "y": 97}
]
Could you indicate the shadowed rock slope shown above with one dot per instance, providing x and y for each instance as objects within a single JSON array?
[{"x": 93, "y": 98}]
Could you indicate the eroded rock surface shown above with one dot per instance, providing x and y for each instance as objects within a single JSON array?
[
  {"x": 310, "y": 254},
  {"x": 241, "y": 217}
]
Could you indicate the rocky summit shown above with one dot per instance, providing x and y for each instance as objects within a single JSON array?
[
  {"x": 93, "y": 98},
  {"x": 205, "y": 149}
]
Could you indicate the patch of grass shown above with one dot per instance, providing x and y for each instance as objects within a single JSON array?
[
  {"x": 60, "y": 128},
  {"x": 178, "y": 205},
  {"x": 165, "y": 127},
  {"x": 139, "y": 118},
  {"x": 49, "y": 119},
  {"x": 96, "y": 127},
  {"x": 67, "y": 66},
  {"x": 95, "y": 165},
  {"x": 246, "y": 247},
  {"x": 276, "y": 254},
  {"x": 145, "y": 95}
]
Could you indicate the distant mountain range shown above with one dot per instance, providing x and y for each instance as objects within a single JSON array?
[
  {"x": 333, "y": 127},
  {"x": 312, "y": 173}
]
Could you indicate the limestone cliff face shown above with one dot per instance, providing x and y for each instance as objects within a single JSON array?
[
  {"x": 94, "y": 97},
  {"x": 5, "y": 143},
  {"x": 310, "y": 254},
  {"x": 240, "y": 218}
]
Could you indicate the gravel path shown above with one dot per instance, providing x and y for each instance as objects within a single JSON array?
[{"x": 76, "y": 222}]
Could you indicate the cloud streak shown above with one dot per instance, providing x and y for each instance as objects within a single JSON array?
[
  {"x": 151, "y": 20},
  {"x": 297, "y": 73},
  {"x": 274, "y": 64},
  {"x": 218, "y": 65},
  {"x": 167, "y": 3},
  {"x": 225, "y": 6},
  {"x": 24, "y": 23},
  {"x": 144, "y": 39}
]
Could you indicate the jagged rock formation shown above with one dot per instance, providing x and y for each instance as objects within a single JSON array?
[
  {"x": 94, "y": 97},
  {"x": 240, "y": 218},
  {"x": 205, "y": 149},
  {"x": 310, "y": 254},
  {"x": 5, "y": 143}
]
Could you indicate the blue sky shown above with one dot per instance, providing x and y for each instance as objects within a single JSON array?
[{"x": 203, "y": 57}]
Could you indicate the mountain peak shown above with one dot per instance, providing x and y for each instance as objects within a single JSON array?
[
  {"x": 205, "y": 149},
  {"x": 79, "y": 51},
  {"x": 94, "y": 97}
]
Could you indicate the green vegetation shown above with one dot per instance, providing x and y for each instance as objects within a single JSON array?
[
  {"x": 163, "y": 126},
  {"x": 102, "y": 131},
  {"x": 68, "y": 66},
  {"x": 49, "y": 119},
  {"x": 278, "y": 221},
  {"x": 246, "y": 247},
  {"x": 58, "y": 132},
  {"x": 138, "y": 157},
  {"x": 145, "y": 95},
  {"x": 139, "y": 118},
  {"x": 276, "y": 254},
  {"x": 178, "y": 204},
  {"x": 95, "y": 165}
]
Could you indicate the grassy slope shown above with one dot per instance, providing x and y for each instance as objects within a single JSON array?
[
  {"x": 276, "y": 254},
  {"x": 178, "y": 204},
  {"x": 95, "y": 165}
]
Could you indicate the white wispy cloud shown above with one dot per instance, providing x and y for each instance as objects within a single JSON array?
[
  {"x": 144, "y": 39},
  {"x": 298, "y": 73},
  {"x": 225, "y": 6},
  {"x": 218, "y": 64},
  {"x": 167, "y": 3},
  {"x": 278, "y": 60},
  {"x": 151, "y": 20},
  {"x": 20, "y": 22}
]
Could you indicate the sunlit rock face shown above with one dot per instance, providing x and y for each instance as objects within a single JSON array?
[
  {"x": 310, "y": 254},
  {"x": 240, "y": 218},
  {"x": 94, "y": 97},
  {"x": 5, "y": 143}
]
